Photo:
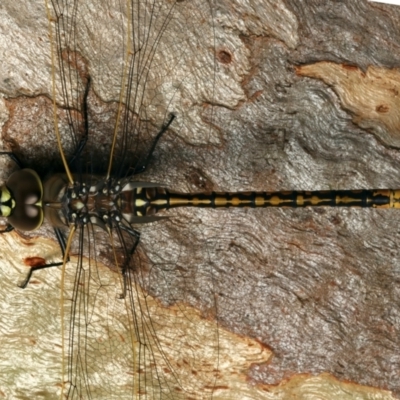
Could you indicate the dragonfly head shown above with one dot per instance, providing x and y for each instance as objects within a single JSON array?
[{"x": 21, "y": 200}]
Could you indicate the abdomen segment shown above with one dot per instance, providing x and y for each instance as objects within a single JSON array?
[{"x": 148, "y": 201}]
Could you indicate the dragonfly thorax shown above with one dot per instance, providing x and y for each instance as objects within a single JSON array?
[
  {"x": 99, "y": 201},
  {"x": 97, "y": 204}
]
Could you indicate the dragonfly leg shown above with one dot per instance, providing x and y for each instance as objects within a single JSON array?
[
  {"x": 143, "y": 167},
  {"x": 82, "y": 143},
  {"x": 61, "y": 241},
  {"x": 136, "y": 235},
  {"x": 13, "y": 157}
]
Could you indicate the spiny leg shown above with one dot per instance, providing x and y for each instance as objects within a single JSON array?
[
  {"x": 61, "y": 242},
  {"x": 142, "y": 168},
  {"x": 82, "y": 143},
  {"x": 136, "y": 235}
]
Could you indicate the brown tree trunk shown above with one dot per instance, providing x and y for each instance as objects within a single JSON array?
[{"x": 306, "y": 97}]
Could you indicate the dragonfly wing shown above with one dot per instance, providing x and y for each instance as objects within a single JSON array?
[
  {"x": 134, "y": 335},
  {"x": 120, "y": 85}
]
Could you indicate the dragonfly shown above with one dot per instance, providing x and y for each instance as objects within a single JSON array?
[
  {"x": 143, "y": 38},
  {"x": 150, "y": 198}
]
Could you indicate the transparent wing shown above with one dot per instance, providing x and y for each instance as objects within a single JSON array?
[
  {"x": 141, "y": 345},
  {"x": 123, "y": 68},
  {"x": 145, "y": 61}
]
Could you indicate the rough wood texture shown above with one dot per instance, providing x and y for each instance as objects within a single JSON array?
[{"x": 306, "y": 97}]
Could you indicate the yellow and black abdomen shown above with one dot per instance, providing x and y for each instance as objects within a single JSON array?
[
  {"x": 324, "y": 198},
  {"x": 157, "y": 199}
]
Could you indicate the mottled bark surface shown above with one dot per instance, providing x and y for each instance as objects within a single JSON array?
[{"x": 306, "y": 97}]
